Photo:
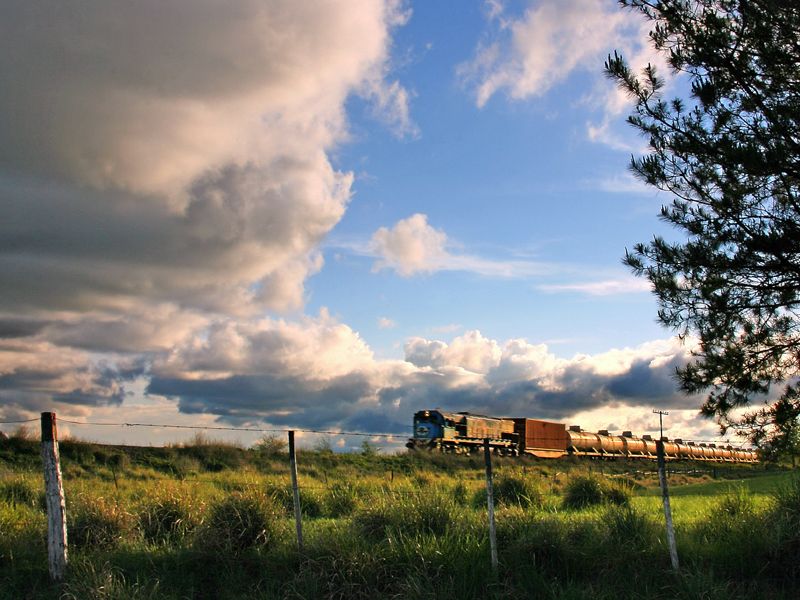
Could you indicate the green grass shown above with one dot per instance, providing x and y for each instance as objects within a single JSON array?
[
  {"x": 216, "y": 522},
  {"x": 761, "y": 484}
]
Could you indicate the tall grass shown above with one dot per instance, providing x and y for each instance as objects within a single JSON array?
[
  {"x": 169, "y": 516},
  {"x": 98, "y": 523},
  {"x": 407, "y": 512},
  {"x": 240, "y": 522},
  {"x": 380, "y": 527},
  {"x": 23, "y": 491}
]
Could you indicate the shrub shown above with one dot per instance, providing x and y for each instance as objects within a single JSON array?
[
  {"x": 89, "y": 581},
  {"x": 511, "y": 491},
  {"x": 517, "y": 491},
  {"x": 617, "y": 493},
  {"x": 183, "y": 466},
  {"x": 583, "y": 491},
  {"x": 540, "y": 543},
  {"x": 98, "y": 523},
  {"x": 25, "y": 433},
  {"x": 118, "y": 461},
  {"x": 735, "y": 504},
  {"x": 239, "y": 522},
  {"x": 270, "y": 445}
]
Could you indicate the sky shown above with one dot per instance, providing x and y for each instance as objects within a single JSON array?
[{"x": 325, "y": 215}]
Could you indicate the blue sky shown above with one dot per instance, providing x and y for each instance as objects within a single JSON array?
[
  {"x": 513, "y": 180},
  {"x": 289, "y": 214}
]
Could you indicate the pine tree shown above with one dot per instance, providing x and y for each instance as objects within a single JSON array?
[{"x": 729, "y": 156}]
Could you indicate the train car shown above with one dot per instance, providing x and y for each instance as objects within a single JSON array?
[
  {"x": 464, "y": 432},
  {"x": 541, "y": 438}
]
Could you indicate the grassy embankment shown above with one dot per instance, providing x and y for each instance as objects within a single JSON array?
[{"x": 214, "y": 521}]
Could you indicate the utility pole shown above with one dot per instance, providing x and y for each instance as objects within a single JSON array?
[{"x": 661, "y": 414}]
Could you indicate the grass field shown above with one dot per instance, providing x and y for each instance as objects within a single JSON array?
[{"x": 215, "y": 521}]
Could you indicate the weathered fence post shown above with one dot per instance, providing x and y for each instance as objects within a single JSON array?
[
  {"x": 298, "y": 518},
  {"x": 662, "y": 477},
  {"x": 487, "y": 453},
  {"x": 54, "y": 494}
]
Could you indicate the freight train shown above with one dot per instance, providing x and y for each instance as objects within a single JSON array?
[{"x": 463, "y": 433}]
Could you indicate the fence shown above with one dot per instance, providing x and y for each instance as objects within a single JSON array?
[{"x": 56, "y": 506}]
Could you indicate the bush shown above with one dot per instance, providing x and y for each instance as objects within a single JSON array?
[
  {"x": 270, "y": 445},
  {"x": 517, "y": 491},
  {"x": 118, "y": 461},
  {"x": 617, "y": 493},
  {"x": 511, "y": 491},
  {"x": 583, "y": 491},
  {"x": 98, "y": 523},
  {"x": 89, "y": 581},
  {"x": 787, "y": 502},
  {"x": 239, "y": 522}
]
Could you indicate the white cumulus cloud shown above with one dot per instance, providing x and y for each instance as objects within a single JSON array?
[
  {"x": 165, "y": 167},
  {"x": 527, "y": 55},
  {"x": 413, "y": 246}
]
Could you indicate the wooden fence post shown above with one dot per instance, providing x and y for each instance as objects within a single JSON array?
[
  {"x": 298, "y": 519},
  {"x": 662, "y": 477},
  {"x": 54, "y": 494},
  {"x": 487, "y": 453}
]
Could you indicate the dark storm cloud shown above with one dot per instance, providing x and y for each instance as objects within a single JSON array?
[
  {"x": 20, "y": 328},
  {"x": 382, "y": 396},
  {"x": 24, "y": 392},
  {"x": 280, "y": 400}
]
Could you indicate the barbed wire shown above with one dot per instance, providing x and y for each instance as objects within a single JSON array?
[
  {"x": 344, "y": 433},
  {"x": 18, "y": 422},
  {"x": 246, "y": 429}
]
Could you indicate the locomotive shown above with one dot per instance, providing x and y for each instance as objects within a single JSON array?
[{"x": 463, "y": 432}]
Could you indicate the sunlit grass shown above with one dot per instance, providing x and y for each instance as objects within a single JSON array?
[{"x": 389, "y": 527}]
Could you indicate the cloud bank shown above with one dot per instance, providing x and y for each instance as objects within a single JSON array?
[
  {"x": 320, "y": 373},
  {"x": 165, "y": 167}
]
